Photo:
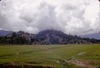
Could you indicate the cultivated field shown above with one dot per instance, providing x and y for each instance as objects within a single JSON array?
[{"x": 51, "y": 56}]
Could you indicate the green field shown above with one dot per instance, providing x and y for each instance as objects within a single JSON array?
[{"x": 57, "y": 56}]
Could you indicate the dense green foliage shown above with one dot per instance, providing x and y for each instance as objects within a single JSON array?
[{"x": 51, "y": 55}]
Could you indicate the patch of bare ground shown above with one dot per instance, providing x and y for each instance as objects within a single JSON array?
[
  {"x": 79, "y": 63},
  {"x": 16, "y": 65},
  {"x": 82, "y": 64}
]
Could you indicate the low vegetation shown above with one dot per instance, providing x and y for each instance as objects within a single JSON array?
[{"x": 51, "y": 56}]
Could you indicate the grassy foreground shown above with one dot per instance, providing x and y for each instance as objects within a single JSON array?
[{"x": 57, "y": 56}]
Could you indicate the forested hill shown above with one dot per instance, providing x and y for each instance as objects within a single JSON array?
[{"x": 44, "y": 37}]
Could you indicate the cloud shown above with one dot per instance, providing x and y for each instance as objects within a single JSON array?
[{"x": 74, "y": 16}]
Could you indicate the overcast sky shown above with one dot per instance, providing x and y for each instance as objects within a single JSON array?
[{"x": 70, "y": 16}]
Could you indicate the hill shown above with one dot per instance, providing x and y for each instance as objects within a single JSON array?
[
  {"x": 46, "y": 37},
  {"x": 58, "y": 37},
  {"x": 95, "y": 36},
  {"x": 4, "y": 33}
]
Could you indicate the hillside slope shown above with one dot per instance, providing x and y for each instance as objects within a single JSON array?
[
  {"x": 95, "y": 36},
  {"x": 58, "y": 37},
  {"x": 4, "y": 33}
]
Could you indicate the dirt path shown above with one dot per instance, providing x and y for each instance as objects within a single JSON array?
[
  {"x": 82, "y": 64},
  {"x": 78, "y": 62}
]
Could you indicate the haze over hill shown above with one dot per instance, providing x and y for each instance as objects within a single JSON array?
[{"x": 74, "y": 17}]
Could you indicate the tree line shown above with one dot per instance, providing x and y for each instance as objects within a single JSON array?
[{"x": 54, "y": 37}]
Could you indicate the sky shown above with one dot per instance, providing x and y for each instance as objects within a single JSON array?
[{"x": 76, "y": 17}]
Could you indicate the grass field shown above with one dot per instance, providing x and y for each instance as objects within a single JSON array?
[{"x": 57, "y": 56}]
